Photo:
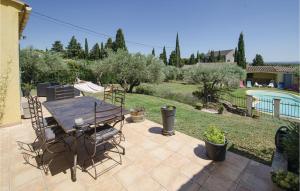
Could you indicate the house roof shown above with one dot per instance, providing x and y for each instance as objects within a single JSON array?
[
  {"x": 24, "y": 11},
  {"x": 222, "y": 52},
  {"x": 270, "y": 69}
]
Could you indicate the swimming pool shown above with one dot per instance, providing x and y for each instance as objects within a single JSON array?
[{"x": 289, "y": 104}]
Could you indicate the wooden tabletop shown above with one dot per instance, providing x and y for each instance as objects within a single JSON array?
[{"x": 67, "y": 110}]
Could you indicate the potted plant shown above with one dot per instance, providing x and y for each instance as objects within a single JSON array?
[
  {"x": 26, "y": 89},
  {"x": 137, "y": 114},
  {"x": 215, "y": 143}
]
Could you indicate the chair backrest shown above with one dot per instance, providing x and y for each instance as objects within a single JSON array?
[
  {"x": 249, "y": 84},
  {"x": 119, "y": 97},
  {"x": 107, "y": 115},
  {"x": 36, "y": 114},
  {"x": 109, "y": 94},
  {"x": 32, "y": 111},
  {"x": 64, "y": 92}
]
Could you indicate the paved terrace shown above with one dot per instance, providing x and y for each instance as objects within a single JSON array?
[{"x": 152, "y": 162}]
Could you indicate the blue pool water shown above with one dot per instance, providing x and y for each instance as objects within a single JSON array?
[{"x": 289, "y": 104}]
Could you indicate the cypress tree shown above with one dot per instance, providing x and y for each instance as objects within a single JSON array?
[
  {"x": 109, "y": 44},
  {"x": 219, "y": 56},
  {"x": 177, "y": 52},
  {"x": 120, "y": 41},
  {"x": 212, "y": 56},
  {"x": 258, "y": 60},
  {"x": 95, "y": 52},
  {"x": 241, "y": 59},
  {"x": 172, "y": 59},
  {"x": 102, "y": 51},
  {"x": 198, "y": 57},
  {"x": 86, "y": 49},
  {"x": 192, "y": 59},
  {"x": 153, "y": 52},
  {"x": 57, "y": 46},
  {"x": 74, "y": 48},
  {"x": 235, "y": 55},
  {"x": 163, "y": 56}
]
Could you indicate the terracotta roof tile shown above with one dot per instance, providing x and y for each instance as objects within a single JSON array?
[{"x": 270, "y": 69}]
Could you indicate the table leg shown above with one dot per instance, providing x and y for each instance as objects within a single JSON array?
[{"x": 75, "y": 160}]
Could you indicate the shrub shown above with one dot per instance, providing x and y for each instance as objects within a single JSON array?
[
  {"x": 171, "y": 72},
  {"x": 221, "y": 109},
  {"x": 144, "y": 89},
  {"x": 214, "y": 135},
  {"x": 291, "y": 146},
  {"x": 286, "y": 180},
  {"x": 199, "y": 105}
]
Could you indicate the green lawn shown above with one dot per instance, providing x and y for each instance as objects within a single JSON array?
[
  {"x": 253, "y": 138},
  {"x": 174, "y": 87}
]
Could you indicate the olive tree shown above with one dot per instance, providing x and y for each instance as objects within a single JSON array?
[
  {"x": 213, "y": 78},
  {"x": 128, "y": 70}
]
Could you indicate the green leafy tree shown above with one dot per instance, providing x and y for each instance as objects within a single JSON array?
[
  {"x": 95, "y": 53},
  {"x": 120, "y": 41},
  {"x": 74, "y": 49},
  {"x": 153, "y": 52},
  {"x": 177, "y": 52},
  {"x": 235, "y": 55},
  {"x": 163, "y": 56},
  {"x": 258, "y": 60},
  {"x": 192, "y": 59},
  {"x": 128, "y": 70},
  {"x": 172, "y": 59},
  {"x": 86, "y": 49},
  {"x": 57, "y": 46},
  {"x": 109, "y": 44},
  {"x": 213, "y": 78},
  {"x": 241, "y": 59}
]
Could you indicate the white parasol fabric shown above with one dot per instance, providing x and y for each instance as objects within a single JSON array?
[{"x": 88, "y": 87}]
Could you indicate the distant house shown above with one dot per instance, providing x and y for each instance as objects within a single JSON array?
[
  {"x": 227, "y": 54},
  {"x": 15, "y": 15},
  {"x": 282, "y": 76}
]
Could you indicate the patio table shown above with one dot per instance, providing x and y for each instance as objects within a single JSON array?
[{"x": 67, "y": 110}]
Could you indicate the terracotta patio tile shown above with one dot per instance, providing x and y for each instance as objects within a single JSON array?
[
  {"x": 145, "y": 183},
  {"x": 164, "y": 175},
  {"x": 161, "y": 153},
  {"x": 129, "y": 175}
]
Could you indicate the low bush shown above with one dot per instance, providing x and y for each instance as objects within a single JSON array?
[
  {"x": 291, "y": 146},
  {"x": 286, "y": 180},
  {"x": 144, "y": 89}
]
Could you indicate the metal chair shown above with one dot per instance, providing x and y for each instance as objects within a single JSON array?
[
  {"x": 47, "y": 135},
  {"x": 119, "y": 98},
  {"x": 103, "y": 131},
  {"x": 109, "y": 94}
]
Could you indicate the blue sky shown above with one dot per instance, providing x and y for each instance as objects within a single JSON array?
[{"x": 270, "y": 27}]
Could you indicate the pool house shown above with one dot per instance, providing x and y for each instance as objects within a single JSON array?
[{"x": 283, "y": 77}]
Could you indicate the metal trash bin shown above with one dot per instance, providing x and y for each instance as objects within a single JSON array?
[{"x": 168, "y": 117}]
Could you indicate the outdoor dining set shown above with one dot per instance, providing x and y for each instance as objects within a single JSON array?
[{"x": 97, "y": 122}]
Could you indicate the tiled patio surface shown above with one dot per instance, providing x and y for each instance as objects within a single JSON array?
[{"x": 152, "y": 162}]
